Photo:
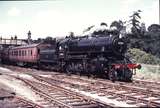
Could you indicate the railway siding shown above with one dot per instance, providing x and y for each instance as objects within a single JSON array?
[
  {"x": 132, "y": 95},
  {"x": 62, "y": 97}
]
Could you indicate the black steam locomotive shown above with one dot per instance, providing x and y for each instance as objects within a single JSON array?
[{"x": 102, "y": 54}]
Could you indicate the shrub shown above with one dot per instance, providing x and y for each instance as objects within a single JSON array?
[{"x": 142, "y": 57}]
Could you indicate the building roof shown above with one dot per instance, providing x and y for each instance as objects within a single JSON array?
[{"x": 12, "y": 42}]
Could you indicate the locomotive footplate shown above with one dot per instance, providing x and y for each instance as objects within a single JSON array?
[{"x": 121, "y": 71}]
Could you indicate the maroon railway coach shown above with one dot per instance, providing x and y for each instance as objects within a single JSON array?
[{"x": 25, "y": 54}]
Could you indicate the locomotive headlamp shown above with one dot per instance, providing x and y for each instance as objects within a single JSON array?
[{"x": 60, "y": 48}]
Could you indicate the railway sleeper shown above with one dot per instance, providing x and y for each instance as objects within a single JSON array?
[
  {"x": 72, "y": 101},
  {"x": 88, "y": 106},
  {"x": 79, "y": 103},
  {"x": 62, "y": 98}
]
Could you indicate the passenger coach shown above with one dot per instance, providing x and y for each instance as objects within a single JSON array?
[{"x": 25, "y": 54}]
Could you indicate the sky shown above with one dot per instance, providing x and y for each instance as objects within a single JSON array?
[{"x": 59, "y": 17}]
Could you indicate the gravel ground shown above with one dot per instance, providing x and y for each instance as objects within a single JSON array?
[{"x": 16, "y": 85}]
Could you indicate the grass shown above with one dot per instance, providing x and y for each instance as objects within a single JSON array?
[{"x": 149, "y": 72}]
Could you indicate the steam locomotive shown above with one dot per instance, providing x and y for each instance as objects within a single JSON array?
[{"x": 101, "y": 53}]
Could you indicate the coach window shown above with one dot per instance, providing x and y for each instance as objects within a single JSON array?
[
  {"x": 25, "y": 52},
  {"x": 38, "y": 50},
  {"x": 31, "y": 52},
  {"x": 22, "y": 52},
  {"x": 28, "y": 53},
  {"x": 19, "y": 52},
  {"x": 14, "y": 53}
]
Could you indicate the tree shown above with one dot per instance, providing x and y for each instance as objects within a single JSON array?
[
  {"x": 50, "y": 40},
  {"x": 152, "y": 40},
  {"x": 15, "y": 37},
  {"x": 143, "y": 28},
  {"x": 118, "y": 24},
  {"x": 135, "y": 22},
  {"x": 154, "y": 28},
  {"x": 103, "y": 24},
  {"x": 71, "y": 34}
]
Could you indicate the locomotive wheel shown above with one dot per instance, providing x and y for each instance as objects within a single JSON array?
[
  {"x": 78, "y": 73},
  {"x": 128, "y": 75},
  {"x": 39, "y": 66},
  {"x": 21, "y": 64},
  {"x": 112, "y": 75},
  {"x": 68, "y": 71}
]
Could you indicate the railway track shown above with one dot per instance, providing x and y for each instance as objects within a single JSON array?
[
  {"x": 139, "y": 93},
  {"x": 130, "y": 94},
  {"x": 147, "y": 85},
  {"x": 141, "y": 84},
  {"x": 19, "y": 102},
  {"x": 58, "y": 97},
  {"x": 153, "y": 86}
]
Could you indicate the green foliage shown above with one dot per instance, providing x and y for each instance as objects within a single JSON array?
[
  {"x": 142, "y": 57},
  {"x": 119, "y": 24},
  {"x": 135, "y": 22},
  {"x": 148, "y": 41}
]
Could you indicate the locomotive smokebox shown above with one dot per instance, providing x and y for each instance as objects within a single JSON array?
[{"x": 119, "y": 46}]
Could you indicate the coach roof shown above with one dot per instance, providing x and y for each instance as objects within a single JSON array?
[{"x": 26, "y": 46}]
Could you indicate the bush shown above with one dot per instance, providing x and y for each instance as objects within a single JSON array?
[{"x": 142, "y": 57}]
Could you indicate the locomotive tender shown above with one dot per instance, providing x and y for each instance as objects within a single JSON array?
[{"x": 102, "y": 54}]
